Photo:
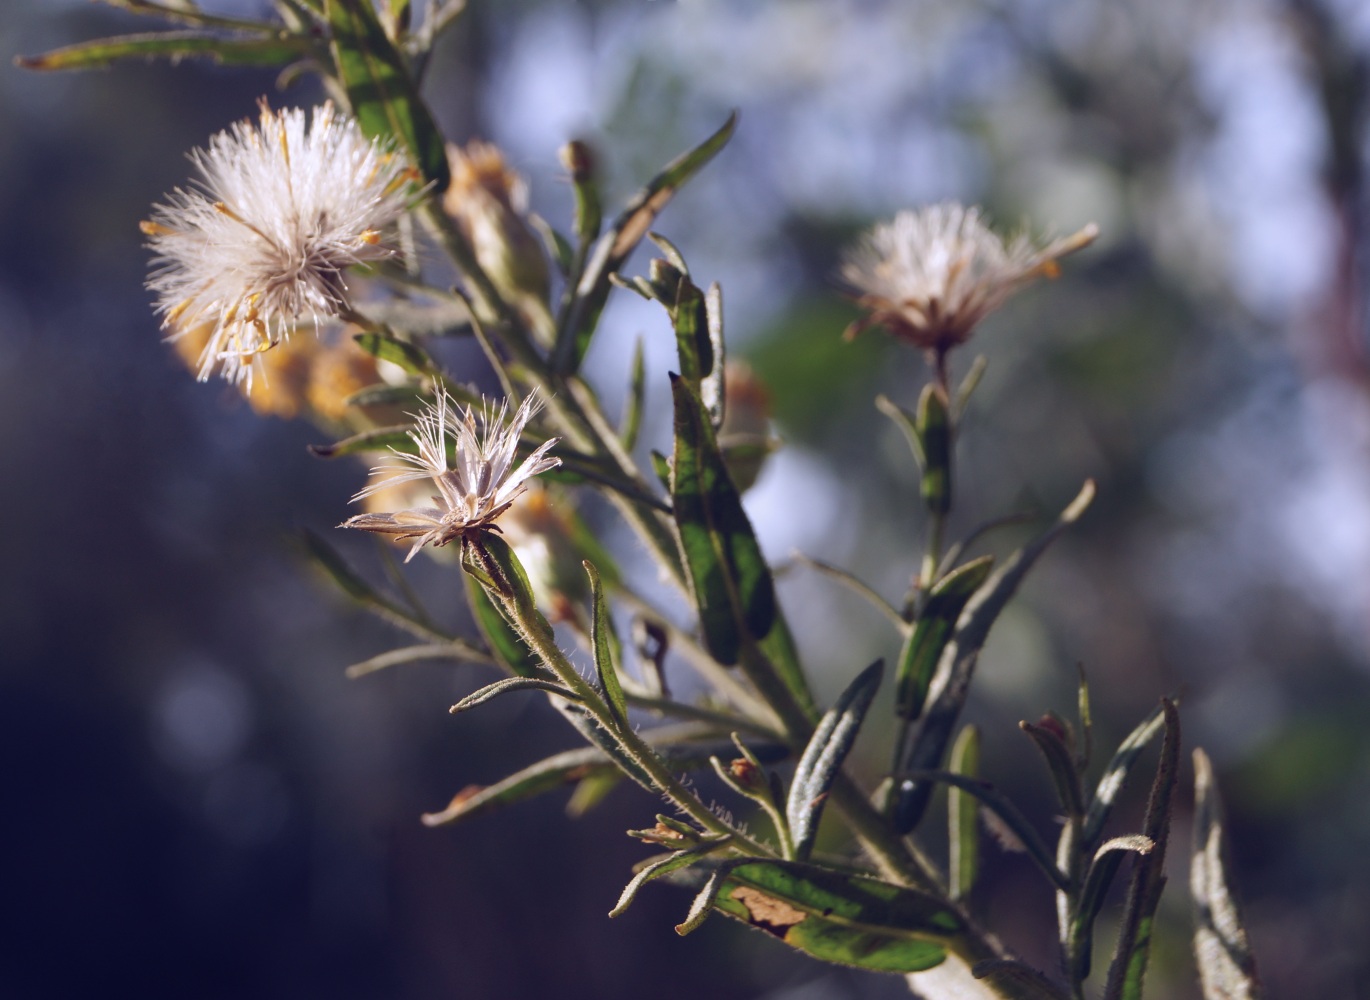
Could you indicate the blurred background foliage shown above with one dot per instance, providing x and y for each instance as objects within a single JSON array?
[{"x": 198, "y": 802}]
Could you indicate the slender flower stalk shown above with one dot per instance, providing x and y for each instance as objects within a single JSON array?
[
  {"x": 474, "y": 488},
  {"x": 929, "y": 276},
  {"x": 280, "y": 210}
]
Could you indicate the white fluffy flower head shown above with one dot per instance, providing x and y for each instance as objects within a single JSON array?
[
  {"x": 930, "y": 276},
  {"x": 281, "y": 209},
  {"x": 474, "y": 489}
]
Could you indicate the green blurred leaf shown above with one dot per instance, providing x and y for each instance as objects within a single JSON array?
[
  {"x": 613, "y": 248},
  {"x": 846, "y": 919},
  {"x": 412, "y": 358},
  {"x": 963, "y": 828},
  {"x": 354, "y": 586},
  {"x": 951, "y": 682},
  {"x": 1227, "y": 968},
  {"x": 923, "y": 647},
  {"x": 383, "y": 96},
  {"x": 377, "y": 439},
  {"x": 1128, "y": 970},
  {"x": 600, "y": 632},
  {"x": 822, "y": 759},
  {"x": 173, "y": 46},
  {"x": 731, "y": 582},
  {"x": 637, "y": 390},
  {"x": 591, "y": 791}
]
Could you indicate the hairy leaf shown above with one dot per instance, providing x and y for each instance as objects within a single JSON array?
[{"x": 822, "y": 759}]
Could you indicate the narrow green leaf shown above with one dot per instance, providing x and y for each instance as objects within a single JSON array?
[
  {"x": 907, "y": 424},
  {"x": 173, "y": 46},
  {"x": 613, "y": 248},
  {"x": 1107, "y": 859},
  {"x": 354, "y": 586},
  {"x": 600, "y": 632},
  {"x": 1128, "y": 970},
  {"x": 1061, "y": 765},
  {"x": 188, "y": 13},
  {"x": 458, "y": 649},
  {"x": 1115, "y": 775},
  {"x": 713, "y": 389},
  {"x": 861, "y": 588},
  {"x": 836, "y": 917},
  {"x": 924, "y": 644},
  {"x": 822, "y": 758},
  {"x": 963, "y": 829},
  {"x": 671, "y": 252},
  {"x": 689, "y": 317},
  {"x": 671, "y": 863},
  {"x": 498, "y": 688},
  {"x": 968, "y": 386},
  {"x": 951, "y": 681},
  {"x": 591, "y": 791},
  {"x": 377, "y": 439},
  {"x": 1086, "y": 724},
  {"x": 411, "y": 357},
  {"x": 631, "y": 424},
  {"x": 1002, "y": 807},
  {"x": 1227, "y": 968},
  {"x": 382, "y": 394},
  {"x": 1017, "y": 981},
  {"x": 934, "y": 435},
  {"x": 383, "y": 96},
  {"x": 731, "y": 582},
  {"x": 544, "y": 776}
]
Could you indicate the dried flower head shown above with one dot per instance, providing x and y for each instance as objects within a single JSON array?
[
  {"x": 474, "y": 489},
  {"x": 281, "y": 209},
  {"x": 929, "y": 276}
]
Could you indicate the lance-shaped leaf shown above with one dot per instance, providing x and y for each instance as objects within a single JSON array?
[
  {"x": 664, "y": 866},
  {"x": 613, "y": 248},
  {"x": 836, "y": 917},
  {"x": 822, "y": 759},
  {"x": 511, "y": 651},
  {"x": 1227, "y": 968},
  {"x": 963, "y": 830},
  {"x": 1115, "y": 775},
  {"x": 600, "y": 632},
  {"x": 714, "y": 390},
  {"x": 631, "y": 423},
  {"x": 1015, "y": 980},
  {"x": 228, "y": 50},
  {"x": 680, "y": 746},
  {"x": 934, "y": 435},
  {"x": 1007, "y": 813},
  {"x": 1080, "y": 935},
  {"x": 498, "y": 688},
  {"x": 1060, "y": 763},
  {"x": 951, "y": 682},
  {"x": 457, "y": 649},
  {"x": 923, "y": 647},
  {"x": 377, "y": 439},
  {"x": 383, "y": 96},
  {"x": 411, "y": 357},
  {"x": 354, "y": 586},
  {"x": 1128, "y": 969},
  {"x": 732, "y": 584}
]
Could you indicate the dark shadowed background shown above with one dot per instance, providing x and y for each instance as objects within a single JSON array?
[{"x": 198, "y": 803}]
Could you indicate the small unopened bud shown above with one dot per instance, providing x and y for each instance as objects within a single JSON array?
[
  {"x": 1054, "y": 726},
  {"x": 748, "y": 775},
  {"x": 577, "y": 160},
  {"x": 489, "y": 202}
]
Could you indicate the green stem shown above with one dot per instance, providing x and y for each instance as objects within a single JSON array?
[{"x": 537, "y": 633}]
